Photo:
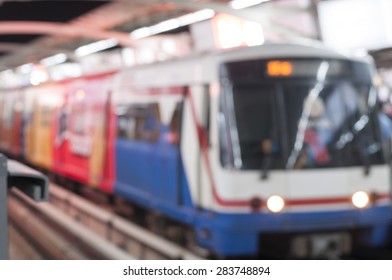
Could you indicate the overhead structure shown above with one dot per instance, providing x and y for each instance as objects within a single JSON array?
[
  {"x": 71, "y": 24},
  {"x": 61, "y": 29}
]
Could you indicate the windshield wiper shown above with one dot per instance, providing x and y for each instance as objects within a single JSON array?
[
  {"x": 359, "y": 128},
  {"x": 355, "y": 136},
  {"x": 265, "y": 166},
  {"x": 364, "y": 157},
  {"x": 267, "y": 147}
]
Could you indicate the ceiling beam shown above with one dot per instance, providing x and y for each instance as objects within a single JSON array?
[
  {"x": 64, "y": 29},
  {"x": 261, "y": 15},
  {"x": 8, "y": 47}
]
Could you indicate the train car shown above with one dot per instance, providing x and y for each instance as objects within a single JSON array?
[
  {"x": 64, "y": 129},
  {"x": 274, "y": 148}
]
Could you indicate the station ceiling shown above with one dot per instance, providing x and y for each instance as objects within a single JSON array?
[
  {"x": 69, "y": 24},
  {"x": 48, "y": 11}
]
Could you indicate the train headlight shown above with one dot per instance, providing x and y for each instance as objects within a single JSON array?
[
  {"x": 275, "y": 203},
  {"x": 360, "y": 199}
]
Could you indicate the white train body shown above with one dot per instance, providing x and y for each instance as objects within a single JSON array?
[{"x": 231, "y": 202}]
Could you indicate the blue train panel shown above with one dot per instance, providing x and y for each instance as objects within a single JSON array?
[
  {"x": 238, "y": 234},
  {"x": 153, "y": 175}
]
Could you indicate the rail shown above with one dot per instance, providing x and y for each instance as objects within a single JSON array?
[
  {"x": 28, "y": 181},
  {"x": 118, "y": 225},
  {"x": 109, "y": 235}
]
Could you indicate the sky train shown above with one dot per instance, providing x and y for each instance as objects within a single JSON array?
[{"x": 274, "y": 148}]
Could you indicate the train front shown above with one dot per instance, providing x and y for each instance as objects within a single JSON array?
[{"x": 303, "y": 154}]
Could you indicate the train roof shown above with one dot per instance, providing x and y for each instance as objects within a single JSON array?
[
  {"x": 202, "y": 67},
  {"x": 289, "y": 50}
]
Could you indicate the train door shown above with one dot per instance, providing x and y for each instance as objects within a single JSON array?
[
  {"x": 170, "y": 164},
  {"x": 194, "y": 147},
  {"x": 138, "y": 129},
  {"x": 7, "y": 121},
  {"x": 182, "y": 172},
  {"x": 2, "y": 122},
  {"x": 80, "y": 135},
  {"x": 10, "y": 108},
  {"x": 17, "y": 127},
  {"x": 38, "y": 114}
]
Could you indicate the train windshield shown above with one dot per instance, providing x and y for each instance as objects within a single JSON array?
[{"x": 299, "y": 114}]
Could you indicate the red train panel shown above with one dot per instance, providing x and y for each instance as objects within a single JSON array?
[{"x": 81, "y": 147}]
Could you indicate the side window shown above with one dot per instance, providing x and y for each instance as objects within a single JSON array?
[
  {"x": 175, "y": 124},
  {"x": 124, "y": 123},
  {"x": 139, "y": 122}
]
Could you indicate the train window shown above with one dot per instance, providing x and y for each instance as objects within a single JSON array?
[
  {"x": 322, "y": 121},
  {"x": 139, "y": 122},
  {"x": 257, "y": 126},
  {"x": 175, "y": 124},
  {"x": 334, "y": 127}
]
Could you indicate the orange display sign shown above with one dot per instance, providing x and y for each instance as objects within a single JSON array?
[{"x": 279, "y": 68}]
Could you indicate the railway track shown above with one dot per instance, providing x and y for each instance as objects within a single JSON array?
[{"x": 71, "y": 227}]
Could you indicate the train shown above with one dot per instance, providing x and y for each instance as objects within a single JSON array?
[{"x": 271, "y": 148}]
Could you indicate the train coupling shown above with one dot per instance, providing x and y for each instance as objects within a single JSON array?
[{"x": 321, "y": 246}]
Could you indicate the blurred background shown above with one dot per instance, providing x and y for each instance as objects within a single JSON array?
[{"x": 199, "y": 129}]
